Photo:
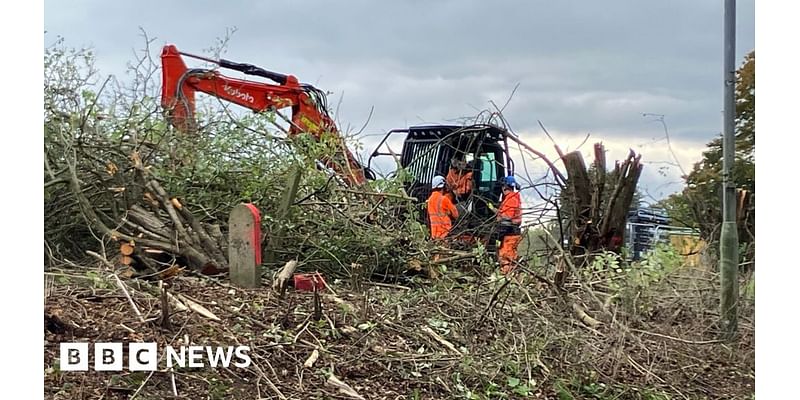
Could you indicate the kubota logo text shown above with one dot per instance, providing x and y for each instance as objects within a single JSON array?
[{"x": 238, "y": 94}]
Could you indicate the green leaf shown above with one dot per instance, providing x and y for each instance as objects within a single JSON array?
[
  {"x": 513, "y": 382},
  {"x": 523, "y": 390}
]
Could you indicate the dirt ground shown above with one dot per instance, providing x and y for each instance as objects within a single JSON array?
[{"x": 458, "y": 337}]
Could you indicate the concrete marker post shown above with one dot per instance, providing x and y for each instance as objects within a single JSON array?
[{"x": 244, "y": 246}]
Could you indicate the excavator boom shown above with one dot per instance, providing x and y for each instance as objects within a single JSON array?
[{"x": 308, "y": 104}]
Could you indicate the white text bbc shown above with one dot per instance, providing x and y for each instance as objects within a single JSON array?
[{"x": 145, "y": 356}]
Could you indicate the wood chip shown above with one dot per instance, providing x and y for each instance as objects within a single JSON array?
[
  {"x": 311, "y": 359},
  {"x": 343, "y": 387},
  {"x": 198, "y": 308},
  {"x": 440, "y": 339},
  {"x": 584, "y": 317},
  {"x": 176, "y": 303},
  {"x": 111, "y": 168}
]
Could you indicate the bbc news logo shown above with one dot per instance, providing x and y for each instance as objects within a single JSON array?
[{"x": 145, "y": 356}]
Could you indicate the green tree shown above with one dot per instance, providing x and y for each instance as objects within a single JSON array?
[{"x": 699, "y": 205}]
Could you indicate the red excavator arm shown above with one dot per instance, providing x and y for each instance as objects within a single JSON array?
[{"x": 309, "y": 105}]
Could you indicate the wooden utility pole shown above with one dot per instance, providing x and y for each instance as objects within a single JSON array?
[{"x": 729, "y": 240}]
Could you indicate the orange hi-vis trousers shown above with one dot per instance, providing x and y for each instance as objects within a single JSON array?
[{"x": 507, "y": 253}]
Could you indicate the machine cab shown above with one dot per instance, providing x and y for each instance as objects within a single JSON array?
[{"x": 429, "y": 150}]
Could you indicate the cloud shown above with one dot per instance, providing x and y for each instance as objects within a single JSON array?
[
  {"x": 592, "y": 67},
  {"x": 661, "y": 174}
]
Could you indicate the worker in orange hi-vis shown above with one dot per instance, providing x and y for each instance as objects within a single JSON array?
[
  {"x": 441, "y": 214},
  {"x": 459, "y": 179},
  {"x": 441, "y": 210},
  {"x": 509, "y": 216}
]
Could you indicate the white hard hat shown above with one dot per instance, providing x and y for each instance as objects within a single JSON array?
[{"x": 438, "y": 182}]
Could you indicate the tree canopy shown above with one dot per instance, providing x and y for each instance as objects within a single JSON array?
[{"x": 699, "y": 205}]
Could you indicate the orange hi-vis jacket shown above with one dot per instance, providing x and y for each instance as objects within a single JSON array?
[
  {"x": 511, "y": 207},
  {"x": 459, "y": 182},
  {"x": 440, "y": 211}
]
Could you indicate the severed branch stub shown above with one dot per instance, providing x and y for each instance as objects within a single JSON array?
[
  {"x": 317, "y": 302},
  {"x": 165, "y": 312},
  {"x": 284, "y": 277}
]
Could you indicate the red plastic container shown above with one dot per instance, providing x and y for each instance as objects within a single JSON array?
[{"x": 306, "y": 282}]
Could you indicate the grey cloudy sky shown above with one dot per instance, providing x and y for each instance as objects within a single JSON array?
[{"x": 582, "y": 66}]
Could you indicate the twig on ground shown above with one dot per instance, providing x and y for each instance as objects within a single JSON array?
[
  {"x": 119, "y": 283},
  {"x": 678, "y": 339}
]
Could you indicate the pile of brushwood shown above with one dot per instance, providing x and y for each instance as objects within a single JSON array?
[
  {"x": 120, "y": 181},
  {"x": 645, "y": 331}
]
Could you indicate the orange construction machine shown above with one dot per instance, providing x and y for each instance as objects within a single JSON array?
[
  {"x": 479, "y": 151},
  {"x": 308, "y": 104}
]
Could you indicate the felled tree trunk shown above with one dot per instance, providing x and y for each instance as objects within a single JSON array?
[
  {"x": 158, "y": 234},
  {"x": 598, "y": 223}
]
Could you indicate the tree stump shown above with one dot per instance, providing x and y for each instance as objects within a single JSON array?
[
  {"x": 275, "y": 241},
  {"x": 598, "y": 217}
]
